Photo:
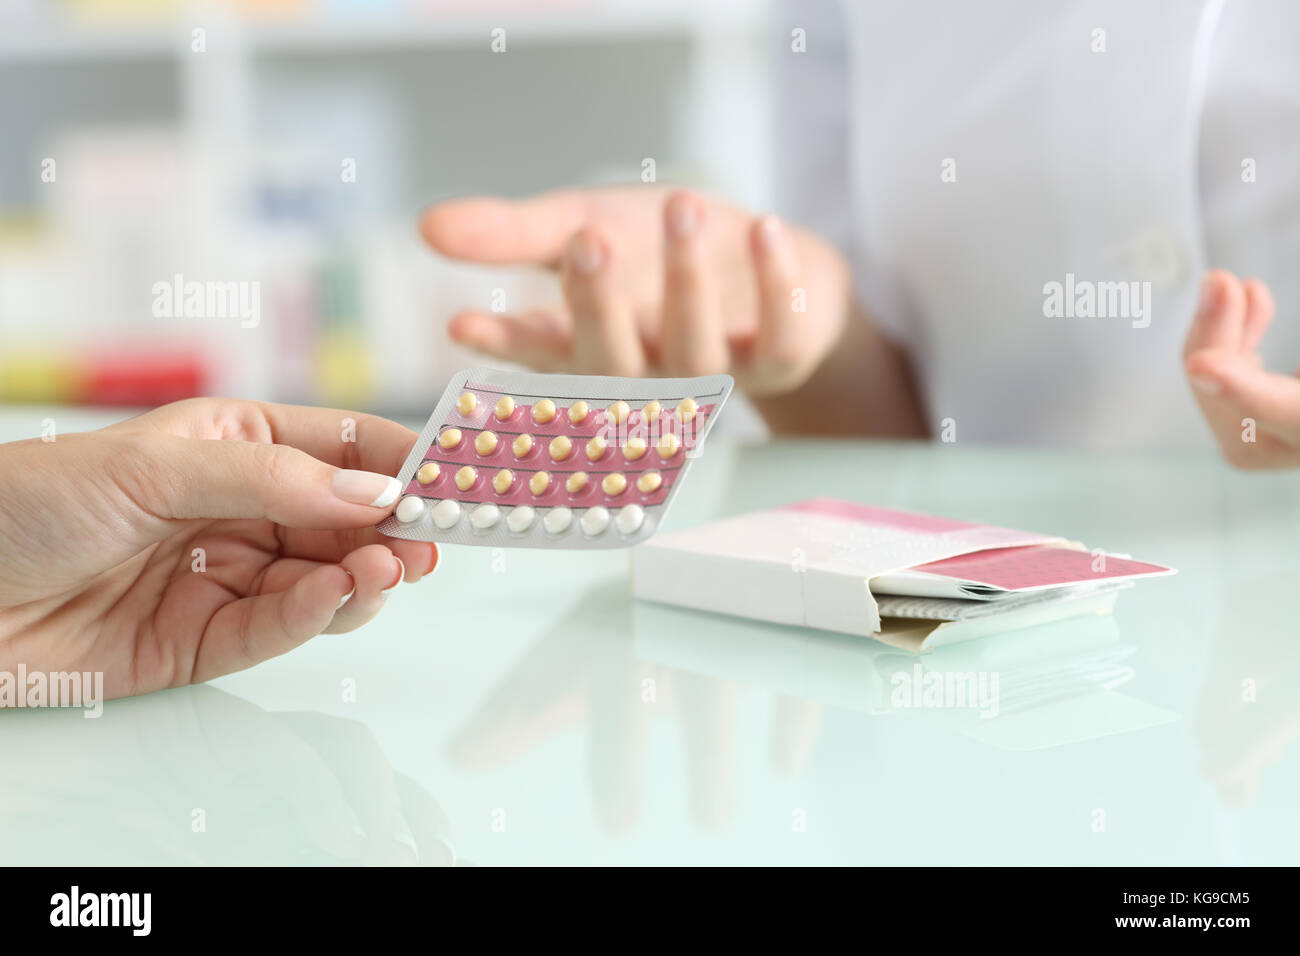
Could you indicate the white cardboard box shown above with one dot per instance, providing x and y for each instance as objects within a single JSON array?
[{"x": 812, "y": 564}]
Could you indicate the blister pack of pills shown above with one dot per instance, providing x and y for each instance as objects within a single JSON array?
[{"x": 525, "y": 460}]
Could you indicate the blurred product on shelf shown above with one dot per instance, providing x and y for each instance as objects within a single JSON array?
[
  {"x": 120, "y": 378},
  {"x": 280, "y": 172},
  {"x": 136, "y": 9}
]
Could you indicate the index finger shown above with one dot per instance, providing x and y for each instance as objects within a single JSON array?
[
  {"x": 342, "y": 438},
  {"x": 506, "y": 232},
  {"x": 335, "y": 436}
]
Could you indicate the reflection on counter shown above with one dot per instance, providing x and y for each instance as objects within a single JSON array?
[
  {"x": 1037, "y": 687},
  {"x": 198, "y": 776},
  {"x": 1249, "y": 709},
  {"x": 612, "y": 668}
]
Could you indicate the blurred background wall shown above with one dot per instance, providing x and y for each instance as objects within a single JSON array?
[{"x": 292, "y": 144}]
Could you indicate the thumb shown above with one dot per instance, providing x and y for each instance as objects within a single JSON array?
[
  {"x": 1272, "y": 399},
  {"x": 181, "y": 478}
]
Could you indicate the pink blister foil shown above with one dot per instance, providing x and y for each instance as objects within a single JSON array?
[{"x": 651, "y": 453}]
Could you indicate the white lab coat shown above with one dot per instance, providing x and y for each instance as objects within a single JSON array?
[{"x": 967, "y": 154}]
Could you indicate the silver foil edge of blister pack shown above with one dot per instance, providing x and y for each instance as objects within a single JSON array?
[{"x": 591, "y": 388}]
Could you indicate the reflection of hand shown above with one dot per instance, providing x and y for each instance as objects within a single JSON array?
[
  {"x": 585, "y": 672},
  {"x": 1230, "y": 381},
  {"x": 1248, "y": 712},
  {"x": 272, "y": 788},
  {"x": 198, "y": 539},
  {"x": 654, "y": 282}
]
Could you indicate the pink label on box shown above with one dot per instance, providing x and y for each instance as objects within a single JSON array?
[
  {"x": 1017, "y": 569},
  {"x": 904, "y": 520}
]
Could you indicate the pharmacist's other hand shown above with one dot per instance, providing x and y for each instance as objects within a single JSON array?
[
  {"x": 1254, "y": 413},
  {"x": 198, "y": 539},
  {"x": 655, "y": 281}
]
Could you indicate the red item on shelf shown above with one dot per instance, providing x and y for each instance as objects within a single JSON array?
[{"x": 143, "y": 378}]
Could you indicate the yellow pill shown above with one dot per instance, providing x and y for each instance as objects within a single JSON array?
[
  {"x": 522, "y": 445},
  {"x": 613, "y": 484},
  {"x": 466, "y": 477},
  {"x": 560, "y": 447},
  {"x": 485, "y": 443},
  {"x": 539, "y": 483},
  {"x": 634, "y": 448},
  {"x": 578, "y": 412},
  {"x": 450, "y": 438},
  {"x": 619, "y": 411},
  {"x": 651, "y": 411},
  {"x": 467, "y": 402},
  {"x": 668, "y": 444},
  {"x": 596, "y": 448},
  {"x": 544, "y": 411},
  {"x": 505, "y": 407},
  {"x": 649, "y": 482},
  {"x": 428, "y": 473},
  {"x": 686, "y": 409},
  {"x": 577, "y": 481},
  {"x": 502, "y": 481}
]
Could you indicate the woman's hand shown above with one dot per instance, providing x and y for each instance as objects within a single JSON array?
[
  {"x": 195, "y": 540},
  {"x": 1254, "y": 413}
]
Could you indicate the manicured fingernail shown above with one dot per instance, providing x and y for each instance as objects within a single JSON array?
[
  {"x": 1207, "y": 385},
  {"x": 401, "y": 576},
  {"x": 347, "y": 597},
  {"x": 366, "y": 488},
  {"x": 586, "y": 254},
  {"x": 683, "y": 217},
  {"x": 1208, "y": 291}
]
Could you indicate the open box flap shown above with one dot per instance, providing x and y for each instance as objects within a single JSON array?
[{"x": 808, "y": 563}]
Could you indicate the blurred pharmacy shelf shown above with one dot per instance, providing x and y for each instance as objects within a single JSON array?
[
  {"x": 452, "y": 25},
  {"x": 223, "y": 165}
]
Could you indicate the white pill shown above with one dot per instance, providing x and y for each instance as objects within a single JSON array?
[
  {"x": 630, "y": 518},
  {"x": 410, "y": 509},
  {"x": 446, "y": 513},
  {"x": 521, "y": 519},
  {"x": 595, "y": 520},
  {"x": 485, "y": 516},
  {"x": 557, "y": 520}
]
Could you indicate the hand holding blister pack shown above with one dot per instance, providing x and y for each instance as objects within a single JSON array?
[{"x": 519, "y": 459}]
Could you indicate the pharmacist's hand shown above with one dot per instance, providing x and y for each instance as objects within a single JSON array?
[
  {"x": 1254, "y": 413},
  {"x": 655, "y": 282},
  {"x": 198, "y": 539}
]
